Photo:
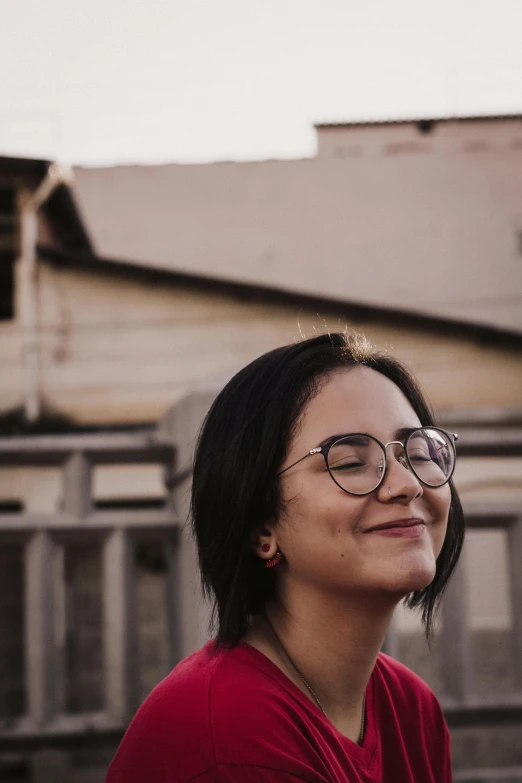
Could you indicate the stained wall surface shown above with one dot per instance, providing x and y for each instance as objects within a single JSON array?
[{"x": 116, "y": 350}]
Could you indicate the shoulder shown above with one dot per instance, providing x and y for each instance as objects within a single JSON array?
[
  {"x": 171, "y": 729},
  {"x": 397, "y": 678},
  {"x": 249, "y": 698},
  {"x": 217, "y": 707},
  {"x": 183, "y": 694},
  {"x": 400, "y": 686},
  {"x": 260, "y": 719},
  {"x": 414, "y": 730}
]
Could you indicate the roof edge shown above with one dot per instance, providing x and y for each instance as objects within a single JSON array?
[
  {"x": 415, "y": 120},
  {"x": 60, "y": 207},
  {"x": 62, "y": 211}
]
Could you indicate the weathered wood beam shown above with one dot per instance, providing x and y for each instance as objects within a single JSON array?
[
  {"x": 489, "y": 441},
  {"x": 102, "y": 447},
  {"x": 97, "y": 521}
]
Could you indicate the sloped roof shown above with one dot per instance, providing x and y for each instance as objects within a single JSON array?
[
  {"x": 481, "y": 333},
  {"x": 424, "y": 234}
]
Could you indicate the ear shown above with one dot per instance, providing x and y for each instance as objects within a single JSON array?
[{"x": 263, "y": 542}]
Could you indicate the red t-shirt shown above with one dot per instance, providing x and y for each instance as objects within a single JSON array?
[{"x": 232, "y": 716}]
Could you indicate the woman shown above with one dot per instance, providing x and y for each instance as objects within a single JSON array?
[{"x": 322, "y": 496}]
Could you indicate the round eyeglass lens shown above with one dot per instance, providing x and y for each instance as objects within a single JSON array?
[
  {"x": 431, "y": 455},
  {"x": 356, "y": 463}
]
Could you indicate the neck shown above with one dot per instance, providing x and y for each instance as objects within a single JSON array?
[{"x": 333, "y": 642}]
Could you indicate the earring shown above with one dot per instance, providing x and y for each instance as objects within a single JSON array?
[
  {"x": 265, "y": 547},
  {"x": 274, "y": 560}
]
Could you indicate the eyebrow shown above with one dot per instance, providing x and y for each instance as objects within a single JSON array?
[
  {"x": 400, "y": 434},
  {"x": 403, "y": 432}
]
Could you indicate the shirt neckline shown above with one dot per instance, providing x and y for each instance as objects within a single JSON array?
[{"x": 363, "y": 753}]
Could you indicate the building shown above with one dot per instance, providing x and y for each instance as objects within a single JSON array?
[{"x": 149, "y": 286}]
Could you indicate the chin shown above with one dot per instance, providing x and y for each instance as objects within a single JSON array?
[{"x": 416, "y": 577}]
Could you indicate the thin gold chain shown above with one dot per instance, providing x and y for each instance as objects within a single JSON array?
[{"x": 309, "y": 687}]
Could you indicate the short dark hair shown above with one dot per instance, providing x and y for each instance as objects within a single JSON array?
[{"x": 241, "y": 447}]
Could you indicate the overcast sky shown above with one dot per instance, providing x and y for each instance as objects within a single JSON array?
[{"x": 148, "y": 81}]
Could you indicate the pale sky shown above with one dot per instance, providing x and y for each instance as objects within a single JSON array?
[{"x": 152, "y": 81}]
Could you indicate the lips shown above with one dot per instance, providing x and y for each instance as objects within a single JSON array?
[{"x": 396, "y": 524}]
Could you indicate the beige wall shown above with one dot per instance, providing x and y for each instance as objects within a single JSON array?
[
  {"x": 453, "y": 137},
  {"x": 117, "y": 350}
]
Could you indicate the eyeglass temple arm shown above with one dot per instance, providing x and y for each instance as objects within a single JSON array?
[{"x": 312, "y": 451}]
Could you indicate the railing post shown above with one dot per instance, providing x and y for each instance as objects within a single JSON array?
[
  {"x": 60, "y": 626},
  {"x": 172, "y": 593},
  {"x": 515, "y": 580},
  {"x": 43, "y": 678},
  {"x": 455, "y": 654},
  {"x": 77, "y": 485},
  {"x": 181, "y": 425},
  {"x": 117, "y": 637}
]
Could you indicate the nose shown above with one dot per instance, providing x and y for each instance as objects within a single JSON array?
[{"x": 400, "y": 483}]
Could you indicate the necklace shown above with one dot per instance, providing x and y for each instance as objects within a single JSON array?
[{"x": 308, "y": 686}]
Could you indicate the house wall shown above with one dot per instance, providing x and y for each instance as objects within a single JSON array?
[
  {"x": 451, "y": 137},
  {"x": 115, "y": 350}
]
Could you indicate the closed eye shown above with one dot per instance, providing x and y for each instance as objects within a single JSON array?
[{"x": 347, "y": 466}]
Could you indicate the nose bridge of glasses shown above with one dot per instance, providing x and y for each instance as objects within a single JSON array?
[
  {"x": 404, "y": 463},
  {"x": 394, "y": 443}
]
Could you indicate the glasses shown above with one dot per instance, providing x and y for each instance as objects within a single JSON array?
[{"x": 357, "y": 462}]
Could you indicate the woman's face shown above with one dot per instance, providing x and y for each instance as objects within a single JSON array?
[{"x": 326, "y": 534}]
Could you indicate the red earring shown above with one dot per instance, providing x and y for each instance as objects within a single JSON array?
[
  {"x": 274, "y": 560},
  {"x": 265, "y": 547}
]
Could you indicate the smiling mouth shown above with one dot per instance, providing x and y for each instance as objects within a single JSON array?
[{"x": 406, "y": 527}]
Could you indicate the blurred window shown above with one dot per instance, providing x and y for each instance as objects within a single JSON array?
[
  {"x": 11, "y": 506},
  {"x": 84, "y": 631},
  {"x": 8, "y": 249},
  {"x": 150, "y": 568},
  {"x": 12, "y": 597},
  {"x": 490, "y": 614}
]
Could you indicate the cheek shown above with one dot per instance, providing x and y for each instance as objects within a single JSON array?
[
  {"x": 314, "y": 515},
  {"x": 440, "y": 502},
  {"x": 444, "y": 501}
]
